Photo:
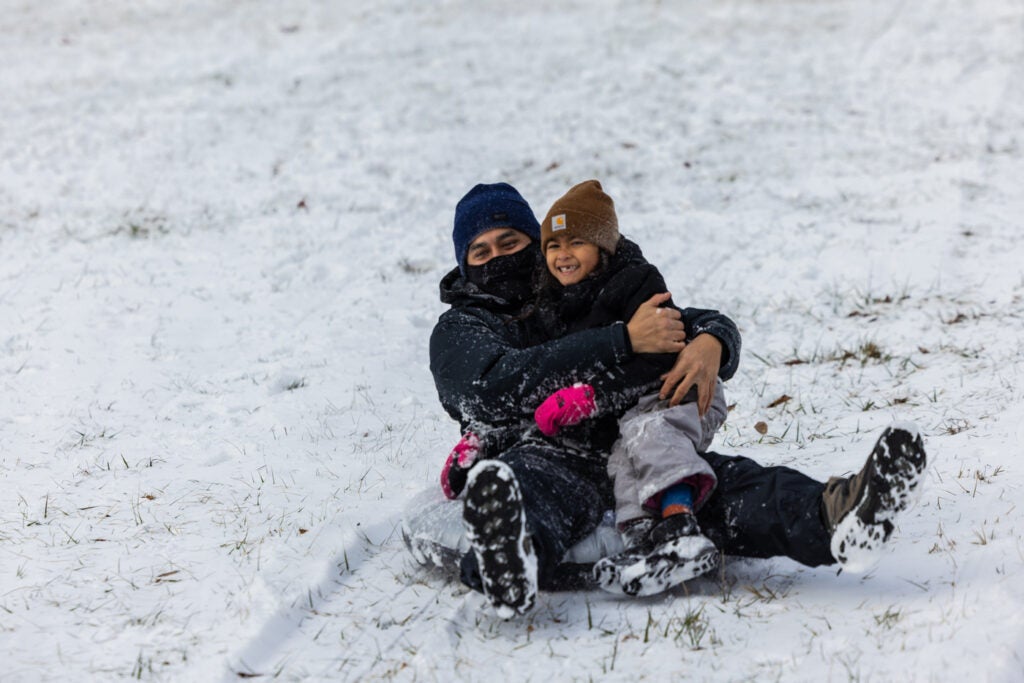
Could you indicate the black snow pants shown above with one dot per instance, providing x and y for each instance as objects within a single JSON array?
[
  {"x": 758, "y": 511},
  {"x": 565, "y": 494}
]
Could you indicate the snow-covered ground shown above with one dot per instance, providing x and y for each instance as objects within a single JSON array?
[{"x": 222, "y": 225}]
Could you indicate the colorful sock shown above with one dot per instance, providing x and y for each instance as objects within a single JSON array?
[{"x": 676, "y": 499}]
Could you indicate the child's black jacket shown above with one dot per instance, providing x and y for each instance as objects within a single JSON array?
[{"x": 614, "y": 294}]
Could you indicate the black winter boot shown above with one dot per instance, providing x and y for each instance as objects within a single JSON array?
[
  {"x": 860, "y": 511},
  {"x": 496, "y": 529},
  {"x": 637, "y": 532},
  {"x": 674, "y": 552}
]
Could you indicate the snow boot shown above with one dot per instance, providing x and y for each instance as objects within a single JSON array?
[
  {"x": 636, "y": 532},
  {"x": 495, "y": 523},
  {"x": 860, "y": 511},
  {"x": 636, "y": 539},
  {"x": 674, "y": 552}
]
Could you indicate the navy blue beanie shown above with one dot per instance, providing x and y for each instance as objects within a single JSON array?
[{"x": 486, "y": 207}]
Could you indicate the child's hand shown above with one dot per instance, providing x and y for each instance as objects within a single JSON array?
[
  {"x": 460, "y": 461},
  {"x": 565, "y": 407}
]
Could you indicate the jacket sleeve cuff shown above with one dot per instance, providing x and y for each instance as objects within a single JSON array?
[{"x": 621, "y": 345}]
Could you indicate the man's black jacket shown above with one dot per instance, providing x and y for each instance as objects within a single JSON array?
[{"x": 490, "y": 372}]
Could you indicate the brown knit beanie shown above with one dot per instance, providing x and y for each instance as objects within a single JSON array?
[{"x": 584, "y": 211}]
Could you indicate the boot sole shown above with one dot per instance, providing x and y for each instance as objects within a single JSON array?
[
  {"x": 607, "y": 570},
  {"x": 893, "y": 488},
  {"x": 495, "y": 525},
  {"x": 666, "y": 566}
]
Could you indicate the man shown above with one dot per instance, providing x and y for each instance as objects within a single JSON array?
[
  {"x": 523, "y": 510},
  {"x": 489, "y": 369}
]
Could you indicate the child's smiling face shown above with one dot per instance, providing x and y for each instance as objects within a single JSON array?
[{"x": 570, "y": 259}]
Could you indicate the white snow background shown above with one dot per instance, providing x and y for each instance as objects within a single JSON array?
[{"x": 222, "y": 225}]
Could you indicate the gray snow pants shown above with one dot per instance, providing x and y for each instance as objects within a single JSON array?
[{"x": 659, "y": 446}]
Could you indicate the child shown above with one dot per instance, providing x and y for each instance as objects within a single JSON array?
[{"x": 595, "y": 277}]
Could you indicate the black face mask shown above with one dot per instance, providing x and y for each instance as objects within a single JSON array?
[{"x": 508, "y": 277}]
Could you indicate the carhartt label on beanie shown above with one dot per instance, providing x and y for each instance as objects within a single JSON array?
[
  {"x": 485, "y": 207},
  {"x": 584, "y": 211}
]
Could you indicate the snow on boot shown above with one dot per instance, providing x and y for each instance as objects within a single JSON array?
[
  {"x": 495, "y": 525},
  {"x": 636, "y": 538},
  {"x": 680, "y": 553},
  {"x": 675, "y": 552},
  {"x": 861, "y": 510},
  {"x": 636, "y": 532}
]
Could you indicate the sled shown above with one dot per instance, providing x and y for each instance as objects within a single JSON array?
[{"x": 433, "y": 533}]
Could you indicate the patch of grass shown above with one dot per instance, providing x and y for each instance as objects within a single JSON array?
[
  {"x": 142, "y": 225},
  {"x": 693, "y": 627},
  {"x": 415, "y": 266},
  {"x": 955, "y": 426},
  {"x": 889, "y": 618},
  {"x": 866, "y": 352},
  {"x": 982, "y": 537}
]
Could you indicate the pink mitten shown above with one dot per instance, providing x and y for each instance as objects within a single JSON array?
[
  {"x": 565, "y": 407},
  {"x": 456, "y": 467}
]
